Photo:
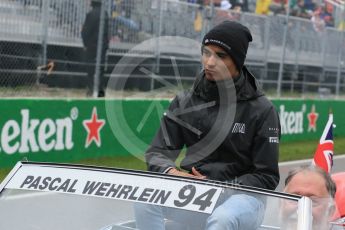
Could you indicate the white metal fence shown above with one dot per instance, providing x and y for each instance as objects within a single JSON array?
[{"x": 34, "y": 33}]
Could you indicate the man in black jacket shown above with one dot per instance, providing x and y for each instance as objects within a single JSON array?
[
  {"x": 230, "y": 129},
  {"x": 89, "y": 33}
]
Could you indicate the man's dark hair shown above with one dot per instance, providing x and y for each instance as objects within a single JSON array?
[{"x": 330, "y": 185}]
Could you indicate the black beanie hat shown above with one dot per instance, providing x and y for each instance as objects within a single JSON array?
[{"x": 233, "y": 37}]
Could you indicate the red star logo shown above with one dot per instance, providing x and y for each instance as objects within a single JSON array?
[
  {"x": 312, "y": 117},
  {"x": 93, "y": 128}
]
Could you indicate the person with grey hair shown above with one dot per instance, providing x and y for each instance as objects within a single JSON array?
[{"x": 315, "y": 183}]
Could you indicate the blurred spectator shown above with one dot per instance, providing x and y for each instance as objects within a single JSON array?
[
  {"x": 295, "y": 7},
  {"x": 126, "y": 7},
  {"x": 326, "y": 15},
  {"x": 89, "y": 35},
  {"x": 225, "y": 5},
  {"x": 123, "y": 27},
  {"x": 278, "y": 6},
  {"x": 309, "y": 6},
  {"x": 262, "y": 7},
  {"x": 251, "y": 6},
  {"x": 199, "y": 2},
  {"x": 122, "y": 8},
  {"x": 198, "y": 17},
  {"x": 341, "y": 23},
  {"x": 236, "y": 13},
  {"x": 198, "y": 20},
  {"x": 222, "y": 12},
  {"x": 215, "y": 2},
  {"x": 299, "y": 10},
  {"x": 318, "y": 23},
  {"x": 239, "y": 5}
]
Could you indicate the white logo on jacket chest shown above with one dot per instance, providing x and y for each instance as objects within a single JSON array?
[
  {"x": 239, "y": 128},
  {"x": 274, "y": 140}
]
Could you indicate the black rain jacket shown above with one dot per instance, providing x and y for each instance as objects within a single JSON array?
[
  {"x": 249, "y": 153},
  {"x": 90, "y": 31}
]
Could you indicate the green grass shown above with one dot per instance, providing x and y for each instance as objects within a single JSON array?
[
  {"x": 3, "y": 173},
  {"x": 288, "y": 151},
  {"x": 306, "y": 149},
  {"x": 129, "y": 162}
]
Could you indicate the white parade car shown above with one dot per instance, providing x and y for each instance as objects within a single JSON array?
[{"x": 42, "y": 196}]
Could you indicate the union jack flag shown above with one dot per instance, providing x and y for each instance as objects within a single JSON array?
[{"x": 323, "y": 156}]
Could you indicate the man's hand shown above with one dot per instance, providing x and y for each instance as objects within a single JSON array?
[
  {"x": 194, "y": 174},
  {"x": 198, "y": 174}
]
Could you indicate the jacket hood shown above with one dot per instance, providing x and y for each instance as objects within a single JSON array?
[{"x": 247, "y": 87}]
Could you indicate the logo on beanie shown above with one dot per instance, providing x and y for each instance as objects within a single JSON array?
[{"x": 217, "y": 42}]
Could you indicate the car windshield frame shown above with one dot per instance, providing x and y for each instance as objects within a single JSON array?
[{"x": 21, "y": 180}]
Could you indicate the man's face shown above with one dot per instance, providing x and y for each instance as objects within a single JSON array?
[
  {"x": 218, "y": 64},
  {"x": 312, "y": 185}
]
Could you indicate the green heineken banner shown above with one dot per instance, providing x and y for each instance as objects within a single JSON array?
[
  {"x": 69, "y": 130},
  {"x": 306, "y": 119}
]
